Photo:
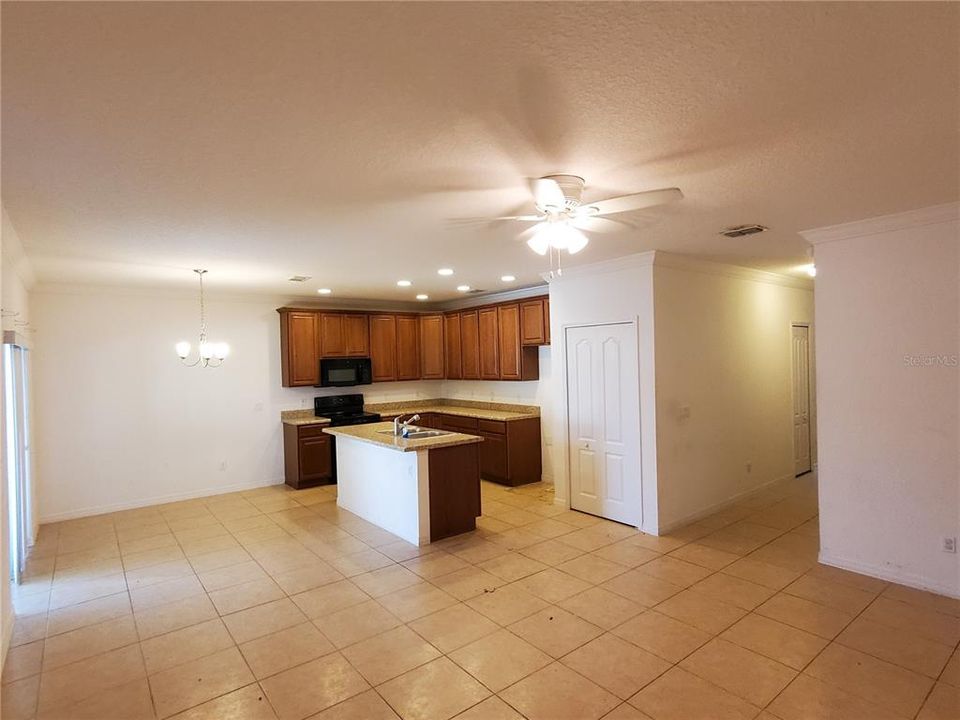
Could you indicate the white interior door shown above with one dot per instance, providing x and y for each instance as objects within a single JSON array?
[
  {"x": 801, "y": 399},
  {"x": 603, "y": 421}
]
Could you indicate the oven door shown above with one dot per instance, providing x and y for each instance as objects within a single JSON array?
[{"x": 344, "y": 372}]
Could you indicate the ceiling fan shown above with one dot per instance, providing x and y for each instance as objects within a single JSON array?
[{"x": 561, "y": 218}]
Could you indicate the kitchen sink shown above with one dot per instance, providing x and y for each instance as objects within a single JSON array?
[{"x": 418, "y": 433}]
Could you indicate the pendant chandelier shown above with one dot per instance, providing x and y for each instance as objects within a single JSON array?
[{"x": 209, "y": 354}]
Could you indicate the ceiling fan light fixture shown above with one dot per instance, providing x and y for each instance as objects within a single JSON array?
[{"x": 539, "y": 243}]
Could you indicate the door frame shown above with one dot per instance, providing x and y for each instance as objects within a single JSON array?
[
  {"x": 635, "y": 325},
  {"x": 811, "y": 395}
]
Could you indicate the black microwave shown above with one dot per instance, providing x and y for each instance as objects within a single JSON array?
[{"x": 343, "y": 372}]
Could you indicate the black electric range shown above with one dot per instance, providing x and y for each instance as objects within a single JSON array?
[{"x": 343, "y": 410}]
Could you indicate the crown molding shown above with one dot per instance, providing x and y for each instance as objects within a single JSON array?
[
  {"x": 948, "y": 212},
  {"x": 489, "y": 298},
  {"x": 690, "y": 263}
]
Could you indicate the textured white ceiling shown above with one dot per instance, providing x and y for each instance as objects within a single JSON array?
[{"x": 262, "y": 140}]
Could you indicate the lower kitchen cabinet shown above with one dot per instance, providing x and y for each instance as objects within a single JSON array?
[
  {"x": 510, "y": 451},
  {"x": 307, "y": 456}
]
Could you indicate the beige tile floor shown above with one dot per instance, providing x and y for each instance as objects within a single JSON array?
[{"x": 276, "y": 604}]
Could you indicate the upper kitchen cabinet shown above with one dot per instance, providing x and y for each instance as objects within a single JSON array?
[
  {"x": 516, "y": 361},
  {"x": 408, "y": 351},
  {"x": 489, "y": 345},
  {"x": 470, "y": 345},
  {"x": 344, "y": 335},
  {"x": 383, "y": 347},
  {"x": 432, "y": 348},
  {"x": 299, "y": 348},
  {"x": 535, "y": 322},
  {"x": 452, "y": 346}
]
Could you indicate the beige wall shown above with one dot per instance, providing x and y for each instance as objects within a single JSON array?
[
  {"x": 888, "y": 320},
  {"x": 723, "y": 382},
  {"x": 121, "y": 423}
]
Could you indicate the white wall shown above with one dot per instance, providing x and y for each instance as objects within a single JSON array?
[
  {"x": 120, "y": 422},
  {"x": 615, "y": 291},
  {"x": 888, "y": 312},
  {"x": 723, "y": 379}
]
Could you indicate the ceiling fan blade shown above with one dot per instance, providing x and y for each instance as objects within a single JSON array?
[
  {"x": 601, "y": 225},
  {"x": 547, "y": 193},
  {"x": 521, "y": 218},
  {"x": 637, "y": 201}
]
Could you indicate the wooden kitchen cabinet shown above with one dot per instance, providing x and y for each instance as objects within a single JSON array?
[
  {"x": 510, "y": 451},
  {"x": 432, "y": 348},
  {"x": 356, "y": 335},
  {"x": 470, "y": 345},
  {"x": 299, "y": 349},
  {"x": 308, "y": 456},
  {"x": 383, "y": 347},
  {"x": 408, "y": 353},
  {"x": 452, "y": 346},
  {"x": 489, "y": 345},
  {"x": 516, "y": 361},
  {"x": 343, "y": 335},
  {"x": 491, "y": 342},
  {"x": 332, "y": 342},
  {"x": 535, "y": 322}
]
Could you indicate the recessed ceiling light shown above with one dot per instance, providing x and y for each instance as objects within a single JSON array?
[
  {"x": 421, "y": 296},
  {"x": 404, "y": 283},
  {"x": 507, "y": 278},
  {"x": 445, "y": 271},
  {"x": 463, "y": 288},
  {"x": 324, "y": 291}
]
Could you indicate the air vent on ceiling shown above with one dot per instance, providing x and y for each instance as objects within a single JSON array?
[
  {"x": 299, "y": 278},
  {"x": 474, "y": 291},
  {"x": 741, "y": 230}
]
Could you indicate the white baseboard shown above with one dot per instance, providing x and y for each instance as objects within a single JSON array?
[
  {"x": 156, "y": 500},
  {"x": 884, "y": 573},
  {"x": 663, "y": 529}
]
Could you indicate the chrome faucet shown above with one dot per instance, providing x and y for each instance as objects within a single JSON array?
[{"x": 399, "y": 425}]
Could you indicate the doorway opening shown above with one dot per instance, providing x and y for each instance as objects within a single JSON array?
[
  {"x": 802, "y": 433},
  {"x": 17, "y": 453}
]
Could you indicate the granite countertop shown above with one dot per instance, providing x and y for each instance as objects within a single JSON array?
[
  {"x": 302, "y": 417},
  {"x": 372, "y": 433},
  {"x": 463, "y": 408}
]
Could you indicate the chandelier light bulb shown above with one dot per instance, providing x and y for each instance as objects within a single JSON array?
[{"x": 183, "y": 349}]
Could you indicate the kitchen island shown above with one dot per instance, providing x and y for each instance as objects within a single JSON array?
[{"x": 421, "y": 489}]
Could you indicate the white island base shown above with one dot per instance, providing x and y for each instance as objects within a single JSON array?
[{"x": 391, "y": 482}]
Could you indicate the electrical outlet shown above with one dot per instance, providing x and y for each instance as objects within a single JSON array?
[{"x": 950, "y": 544}]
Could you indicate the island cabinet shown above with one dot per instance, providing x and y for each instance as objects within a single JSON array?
[
  {"x": 308, "y": 456},
  {"x": 299, "y": 356},
  {"x": 344, "y": 335},
  {"x": 432, "y": 348}
]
